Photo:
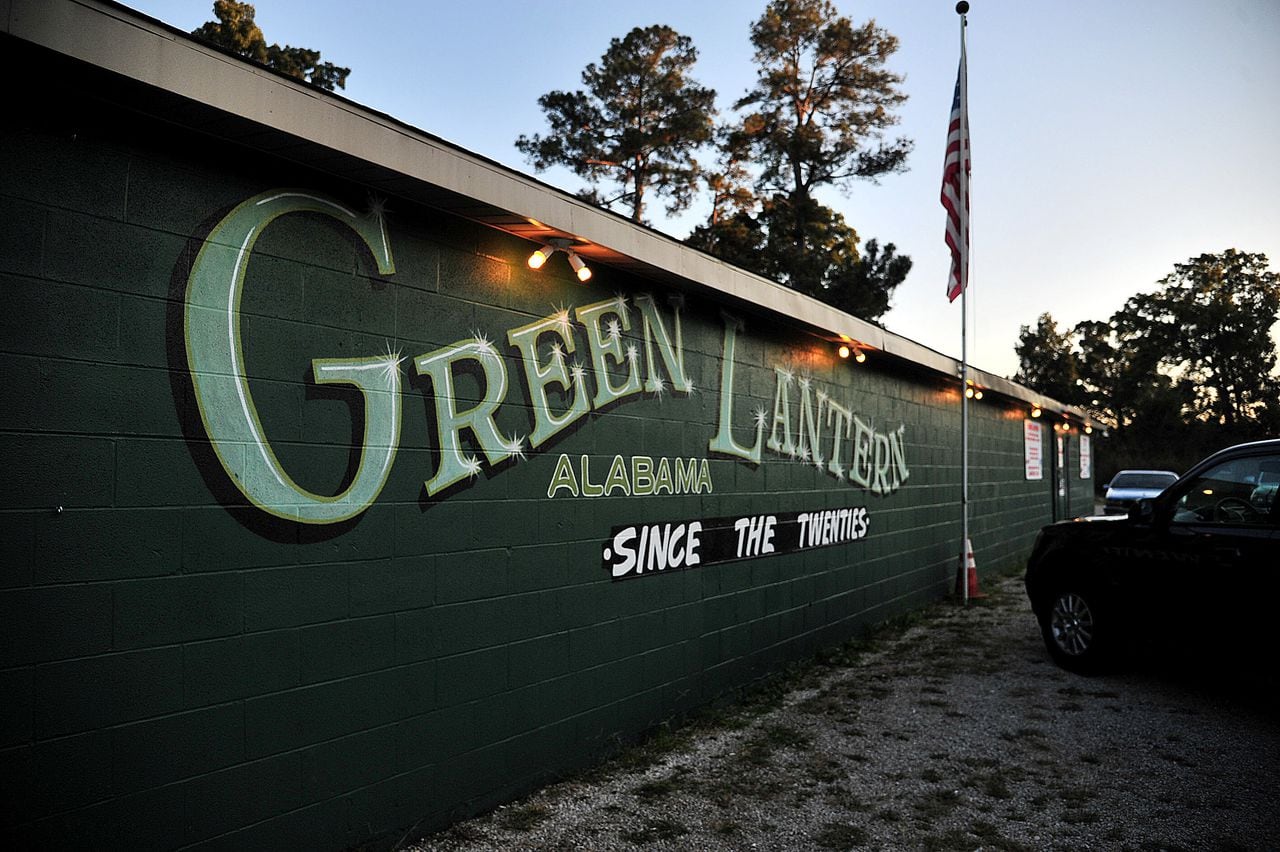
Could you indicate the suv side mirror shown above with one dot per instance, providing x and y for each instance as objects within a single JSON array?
[
  {"x": 1143, "y": 512},
  {"x": 1106, "y": 486}
]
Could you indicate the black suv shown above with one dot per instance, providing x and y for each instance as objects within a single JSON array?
[{"x": 1198, "y": 563}]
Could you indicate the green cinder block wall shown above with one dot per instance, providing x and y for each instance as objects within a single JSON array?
[{"x": 184, "y": 665}]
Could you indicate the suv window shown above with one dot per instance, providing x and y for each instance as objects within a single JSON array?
[{"x": 1236, "y": 492}]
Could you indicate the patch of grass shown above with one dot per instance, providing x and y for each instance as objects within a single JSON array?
[
  {"x": 724, "y": 827},
  {"x": 525, "y": 818},
  {"x": 839, "y": 835},
  {"x": 655, "y": 829},
  {"x": 931, "y": 775},
  {"x": 846, "y": 799},
  {"x": 991, "y": 837},
  {"x": 1076, "y": 797},
  {"x": 1079, "y": 817},
  {"x": 657, "y": 789},
  {"x": 886, "y": 815},
  {"x": 949, "y": 841},
  {"x": 823, "y": 769},
  {"x": 936, "y": 804},
  {"x": 785, "y": 736}
]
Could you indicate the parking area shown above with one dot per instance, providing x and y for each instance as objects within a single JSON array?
[{"x": 954, "y": 731}]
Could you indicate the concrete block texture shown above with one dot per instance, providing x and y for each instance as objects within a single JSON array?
[{"x": 323, "y": 524}]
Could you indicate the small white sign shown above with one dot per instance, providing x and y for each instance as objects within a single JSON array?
[
  {"x": 1086, "y": 457},
  {"x": 1033, "y": 449}
]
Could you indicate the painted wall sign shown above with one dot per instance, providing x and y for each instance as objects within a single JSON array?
[
  {"x": 633, "y": 350},
  {"x": 643, "y": 549},
  {"x": 1033, "y": 450},
  {"x": 1086, "y": 457}
]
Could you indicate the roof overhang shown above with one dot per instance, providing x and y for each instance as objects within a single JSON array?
[{"x": 200, "y": 87}]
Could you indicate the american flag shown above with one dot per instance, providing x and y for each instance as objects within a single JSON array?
[{"x": 952, "y": 190}]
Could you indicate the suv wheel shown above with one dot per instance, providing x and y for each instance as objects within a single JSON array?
[{"x": 1076, "y": 630}]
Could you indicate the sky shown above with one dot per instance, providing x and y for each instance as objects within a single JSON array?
[{"x": 1110, "y": 140}]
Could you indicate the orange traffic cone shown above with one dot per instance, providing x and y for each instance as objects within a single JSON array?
[{"x": 968, "y": 573}]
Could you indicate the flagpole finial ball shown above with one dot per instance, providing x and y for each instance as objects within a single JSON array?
[{"x": 962, "y": 7}]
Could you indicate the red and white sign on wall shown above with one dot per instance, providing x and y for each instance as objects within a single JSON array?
[
  {"x": 1033, "y": 449},
  {"x": 1086, "y": 457}
]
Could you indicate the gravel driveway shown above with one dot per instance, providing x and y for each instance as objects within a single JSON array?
[{"x": 956, "y": 732}]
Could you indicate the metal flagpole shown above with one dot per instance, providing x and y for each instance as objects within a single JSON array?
[{"x": 961, "y": 8}]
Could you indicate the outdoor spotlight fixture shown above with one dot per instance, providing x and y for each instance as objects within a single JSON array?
[
  {"x": 859, "y": 355},
  {"x": 843, "y": 351},
  {"x": 1088, "y": 429},
  {"x": 579, "y": 268},
  {"x": 1035, "y": 411},
  {"x": 543, "y": 254},
  {"x": 973, "y": 391}
]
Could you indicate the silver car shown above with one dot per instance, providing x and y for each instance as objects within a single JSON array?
[{"x": 1127, "y": 487}]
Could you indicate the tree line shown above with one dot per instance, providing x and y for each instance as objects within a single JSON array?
[
  {"x": 233, "y": 29},
  {"x": 1174, "y": 374},
  {"x": 816, "y": 117}
]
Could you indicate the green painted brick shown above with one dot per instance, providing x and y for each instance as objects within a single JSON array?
[
  {"x": 347, "y": 300},
  {"x": 177, "y": 609},
  {"x": 71, "y": 772},
  {"x": 150, "y": 820},
  {"x": 214, "y": 539},
  {"x": 313, "y": 714},
  {"x": 368, "y": 537},
  {"x": 416, "y": 632},
  {"x": 242, "y": 795},
  {"x": 17, "y": 548},
  {"x": 85, "y": 325},
  {"x": 33, "y": 623},
  {"x": 540, "y": 659},
  {"x": 290, "y": 686},
  {"x": 64, "y": 169},
  {"x": 97, "y": 692},
  {"x": 315, "y": 827},
  {"x": 465, "y": 677},
  {"x": 344, "y": 648},
  {"x": 158, "y": 472},
  {"x": 288, "y": 597},
  {"x": 48, "y": 471},
  {"x": 166, "y": 192},
  {"x": 22, "y": 238},
  {"x": 227, "y": 669},
  {"x": 349, "y": 763},
  {"x": 17, "y": 709},
  {"x": 312, "y": 240},
  {"x": 106, "y": 253},
  {"x": 391, "y": 585},
  {"x": 41, "y": 389},
  {"x": 107, "y": 544},
  {"x": 151, "y": 753},
  {"x": 472, "y": 575}
]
